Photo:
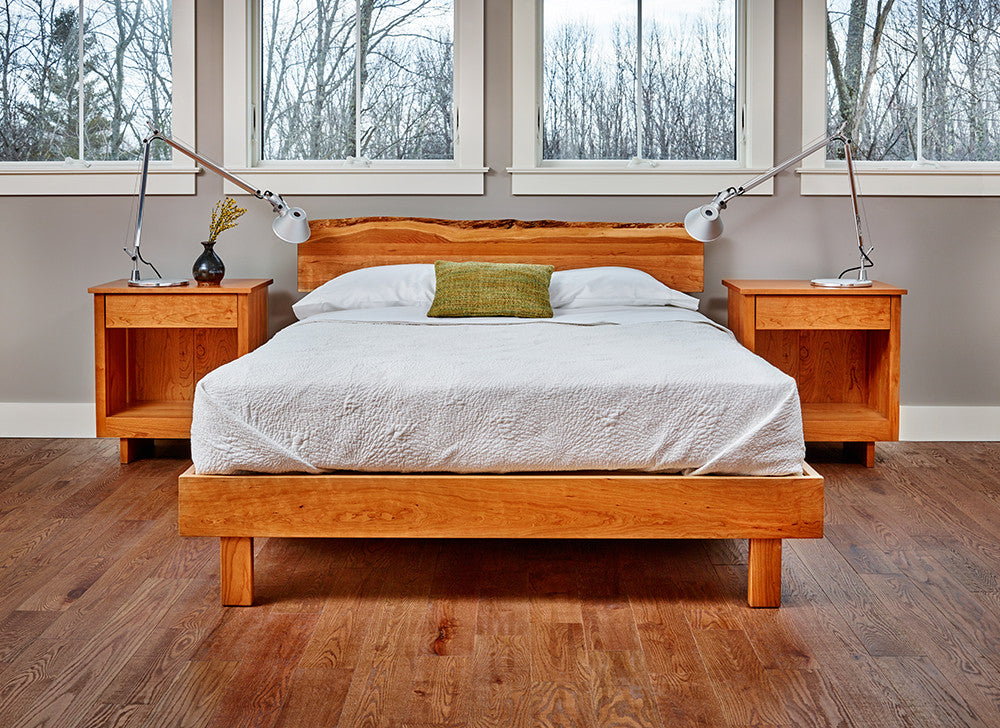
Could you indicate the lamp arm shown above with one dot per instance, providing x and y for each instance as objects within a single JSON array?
[
  {"x": 854, "y": 200},
  {"x": 276, "y": 202},
  {"x": 815, "y": 147}
]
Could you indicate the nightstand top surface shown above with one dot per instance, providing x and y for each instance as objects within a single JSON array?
[
  {"x": 228, "y": 285},
  {"x": 805, "y": 288}
]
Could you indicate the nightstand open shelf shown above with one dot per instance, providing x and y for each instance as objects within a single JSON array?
[
  {"x": 153, "y": 345},
  {"x": 841, "y": 345}
]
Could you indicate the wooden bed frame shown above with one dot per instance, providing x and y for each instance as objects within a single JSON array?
[{"x": 237, "y": 508}]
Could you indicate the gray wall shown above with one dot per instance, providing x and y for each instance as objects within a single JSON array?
[{"x": 944, "y": 250}]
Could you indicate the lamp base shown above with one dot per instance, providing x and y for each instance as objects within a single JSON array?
[
  {"x": 840, "y": 283},
  {"x": 158, "y": 282}
]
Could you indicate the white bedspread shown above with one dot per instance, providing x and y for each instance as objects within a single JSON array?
[{"x": 639, "y": 388}]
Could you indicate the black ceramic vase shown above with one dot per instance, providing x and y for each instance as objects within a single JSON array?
[{"x": 209, "y": 269}]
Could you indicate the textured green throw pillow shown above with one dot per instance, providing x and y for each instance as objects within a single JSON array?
[{"x": 491, "y": 289}]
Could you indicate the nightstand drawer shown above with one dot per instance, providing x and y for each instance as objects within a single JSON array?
[
  {"x": 170, "y": 310},
  {"x": 822, "y": 312}
]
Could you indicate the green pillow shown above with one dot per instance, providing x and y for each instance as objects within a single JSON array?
[{"x": 491, "y": 289}]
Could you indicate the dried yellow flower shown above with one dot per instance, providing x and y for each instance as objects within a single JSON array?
[{"x": 224, "y": 216}]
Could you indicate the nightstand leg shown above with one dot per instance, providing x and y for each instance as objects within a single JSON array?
[
  {"x": 861, "y": 451},
  {"x": 134, "y": 448}
]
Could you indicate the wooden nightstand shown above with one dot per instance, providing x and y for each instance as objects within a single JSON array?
[
  {"x": 840, "y": 344},
  {"x": 152, "y": 345}
]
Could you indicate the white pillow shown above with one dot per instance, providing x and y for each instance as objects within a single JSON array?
[
  {"x": 410, "y": 284},
  {"x": 613, "y": 286}
]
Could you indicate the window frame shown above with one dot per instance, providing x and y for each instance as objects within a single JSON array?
[
  {"x": 464, "y": 175},
  {"x": 820, "y": 176},
  {"x": 531, "y": 175},
  {"x": 175, "y": 177}
]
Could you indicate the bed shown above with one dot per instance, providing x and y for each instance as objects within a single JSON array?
[{"x": 226, "y": 500}]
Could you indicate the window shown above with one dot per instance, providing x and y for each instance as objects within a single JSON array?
[
  {"x": 917, "y": 85},
  {"x": 358, "y": 96},
  {"x": 641, "y": 97},
  {"x": 592, "y": 54},
  {"x": 78, "y": 82}
]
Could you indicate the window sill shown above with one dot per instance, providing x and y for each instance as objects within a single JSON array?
[
  {"x": 31, "y": 180},
  {"x": 364, "y": 180},
  {"x": 635, "y": 181},
  {"x": 903, "y": 182}
]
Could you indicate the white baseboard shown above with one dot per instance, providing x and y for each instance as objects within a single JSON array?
[
  {"x": 949, "y": 423},
  {"x": 47, "y": 419},
  {"x": 76, "y": 419}
]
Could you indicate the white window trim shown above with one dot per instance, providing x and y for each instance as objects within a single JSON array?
[
  {"x": 176, "y": 177},
  {"x": 530, "y": 175},
  {"x": 819, "y": 176},
  {"x": 461, "y": 176}
]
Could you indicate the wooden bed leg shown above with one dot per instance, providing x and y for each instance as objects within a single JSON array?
[
  {"x": 764, "y": 575},
  {"x": 237, "y": 571}
]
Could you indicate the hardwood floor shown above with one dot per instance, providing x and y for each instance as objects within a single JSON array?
[{"x": 108, "y": 618}]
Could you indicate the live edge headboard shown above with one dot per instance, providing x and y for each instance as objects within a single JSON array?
[{"x": 663, "y": 250}]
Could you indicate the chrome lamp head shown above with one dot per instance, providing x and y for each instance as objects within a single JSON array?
[{"x": 704, "y": 223}]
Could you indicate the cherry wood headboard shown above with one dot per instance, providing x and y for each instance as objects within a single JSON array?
[{"x": 664, "y": 250}]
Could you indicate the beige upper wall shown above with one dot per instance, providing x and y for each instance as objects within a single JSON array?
[{"x": 946, "y": 251}]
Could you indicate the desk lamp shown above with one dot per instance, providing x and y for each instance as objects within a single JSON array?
[
  {"x": 291, "y": 224},
  {"x": 705, "y": 224}
]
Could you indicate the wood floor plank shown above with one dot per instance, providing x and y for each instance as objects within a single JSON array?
[
  {"x": 19, "y": 630},
  {"x": 108, "y": 618},
  {"x": 878, "y": 628},
  {"x": 28, "y": 676},
  {"x": 193, "y": 698},
  {"x": 440, "y": 690},
  {"x": 807, "y": 699},
  {"x": 620, "y": 690},
  {"x": 775, "y": 639},
  {"x": 316, "y": 697},
  {"x": 931, "y": 699},
  {"x": 555, "y": 597},
  {"x": 263, "y": 681},
  {"x": 504, "y": 607},
  {"x": 849, "y": 673},
  {"x": 344, "y": 622},
  {"x": 559, "y": 653},
  {"x": 561, "y": 705},
  {"x": 948, "y": 647},
  {"x": 101, "y": 657},
  {"x": 735, "y": 671},
  {"x": 81, "y": 571},
  {"x": 378, "y": 693},
  {"x": 501, "y": 681},
  {"x": 37, "y": 450},
  {"x": 115, "y": 588}
]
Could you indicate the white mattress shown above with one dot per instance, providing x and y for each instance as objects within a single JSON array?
[{"x": 634, "y": 388}]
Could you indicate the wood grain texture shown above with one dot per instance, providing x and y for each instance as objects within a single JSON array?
[
  {"x": 544, "y": 505},
  {"x": 786, "y": 287},
  {"x": 107, "y": 618},
  {"x": 840, "y": 345},
  {"x": 151, "y": 348},
  {"x": 764, "y": 573},
  {"x": 121, "y": 287},
  {"x": 798, "y": 312},
  {"x": 664, "y": 250},
  {"x": 170, "y": 311},
  {"x": 160, "y": 365},
  {"x": 236, "y": 556}
]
